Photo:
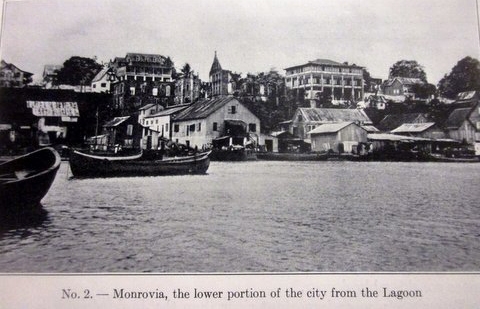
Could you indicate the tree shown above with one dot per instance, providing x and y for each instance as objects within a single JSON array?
[
  {"x": 465, "y": 76},
  {"x": 78, "y": 71},
  {"x": 186, "y": 69},
  {"x": 424, "y": 91},
  {"x": 408, "y": 68}
]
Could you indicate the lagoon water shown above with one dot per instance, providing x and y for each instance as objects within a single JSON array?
[{"x": 257, "y": 216}]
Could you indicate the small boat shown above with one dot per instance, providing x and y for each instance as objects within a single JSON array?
[
  {"x": 85, "y": 165},
  {"x": 435, "y": 157},
  {"x": 292, "y": 156},
  {"x": 25, "y": 180}
]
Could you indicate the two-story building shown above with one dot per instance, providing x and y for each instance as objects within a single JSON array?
[
  {"x": 203, "y": 121},
  {"x": 102, "y": 82},
  {"x": 401, "y": 86},
  {"x": 322, "y": 76},
  {"x": 12, "y": 76}
]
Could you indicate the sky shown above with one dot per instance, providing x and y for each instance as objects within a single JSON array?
[{"x": 249, "y": 36}]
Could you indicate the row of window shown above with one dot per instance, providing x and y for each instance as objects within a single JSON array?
[
  {"x": 324, "y": 69},
  {"x": 252, "y": 127}
]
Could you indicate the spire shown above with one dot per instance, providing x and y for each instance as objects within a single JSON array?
[{"x": 215, "y": 65}]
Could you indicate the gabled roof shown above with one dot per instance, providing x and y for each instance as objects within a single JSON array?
[
  {"x": 457, "y": 117},
  {"x": 145, "y": 107},
  {"x": 100, "y": 74},
  {"x": 203, "y": 109},
  {"x": 413, "y": 127},
  {"x": 168, "y": 111},
  {"x": 392, "y": 121},
  {"x": 394, "y": 137},
  {"x": 467, "y": 95},
  {"x": 404, "y": 81},
  {"x": 329, "y": 115},
  {"x": 13, "y": 67},
  {"x": 115, "y": 121},
  {"x": 370, "y": 129},
  {"x": 330, "y": 127}
]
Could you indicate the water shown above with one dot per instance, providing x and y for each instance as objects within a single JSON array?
[{"x": 257, "y": 216}]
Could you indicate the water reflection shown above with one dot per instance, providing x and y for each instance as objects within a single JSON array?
[{"x": 20, "y": 222}]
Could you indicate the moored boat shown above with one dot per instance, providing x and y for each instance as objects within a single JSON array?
[
  {"x": 25, "y": 180},
  {"x": 85, "y": 165},
  {"x": 292, "y": 156}
]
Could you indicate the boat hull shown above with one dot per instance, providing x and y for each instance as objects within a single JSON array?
[
  {"x": 83, "y": 166},
  {"x": 286, "y": 156},
  {"x": 25, "y": 193},
  {"x": 233, "y": 155}
]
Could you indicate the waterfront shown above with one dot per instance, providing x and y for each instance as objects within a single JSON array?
[{"x": 258, "y": 216}]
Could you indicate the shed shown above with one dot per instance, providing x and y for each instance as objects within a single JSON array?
[{"x": 339, "y": 137}]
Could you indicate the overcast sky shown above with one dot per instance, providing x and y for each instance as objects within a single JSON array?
[{"x": 248, "y": 35}]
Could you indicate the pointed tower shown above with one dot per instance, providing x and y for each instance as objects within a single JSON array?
[{"x": 216, "y": 67}]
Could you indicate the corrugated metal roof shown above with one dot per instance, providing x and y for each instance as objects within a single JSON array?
[
  {"x": 370, "y": 129},
  {"x": 100, "y": 74},
  {"x": 168, "y": 111},
  {"x": 116, "y": 121},
  {"x": 413, "y": 127},
  {"x": 394, "y": 137},
  {"x": 404, "y": 81},
  {"x": 330, "y": 128},
  {"x": 203, "y": 109},
  {"x": 330, "y": 115},
  {"x": 392, "y": 121},
  {"x": 457, "y": 117}
]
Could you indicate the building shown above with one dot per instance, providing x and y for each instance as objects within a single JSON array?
[
  {"x": 161, "y": 121},
  {"x": 102, "y": 82},
  {"x": 338, "y": 137},
  {"x": 142, "y": 79},
  {"x": 188, "y": 89},
  {"x": 323, "y": 77},
  {"x": 463, "y": 124},
  {"x": 11, "y": 76},
  {"x": 425, "y": 130},
  {"x": 393, "y": 121},
  {"x": 220, "y": 79},
  {"x": 50, "y": 75},
  {"x": 308, "y": 119},
  {"x": 203, "y": 121},
  {"x": 401, "y": 86}
]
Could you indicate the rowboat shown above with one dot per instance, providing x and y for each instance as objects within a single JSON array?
[
  {"x": 25, "y": 180},
  {"x": 85, "y": 165}
]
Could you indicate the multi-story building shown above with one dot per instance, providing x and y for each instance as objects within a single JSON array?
[
  {"x": 328, "y": 78},
  {"x": 50, "y": 74},
  {"x": 220, "y": 79},
  {"x": 142, "y": 79},
  {"x": 401, "y": 86},
  {"x": 11, "y": 76},
  {"x": 188, "y": 88}
]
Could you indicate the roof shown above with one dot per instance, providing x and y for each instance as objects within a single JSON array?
[
  {"x": 168, "y": 111},
  {"x": 326, "y": 115},
  {"x": 457, "y": 117},
  {"x": 100, "y": 74},
  {"x": 326, "y": 62},
  {"x": 215, "y": 65},
  {"x": 116, "y": 121},
  {"x": 370, "y": 129},
  {"x": 145, "y": 107},
  {"x": 394, "y": 137},
  {"x": 204, "y": 108},
  {"x": 413, "y": 127},
  {"x": 467, "y": 95},
  {"x": 404, "y": 81},
  {"x": 392, "y": 121},
  {"x": 330, "y": 128},
  {"x": 13, "y": 67}
]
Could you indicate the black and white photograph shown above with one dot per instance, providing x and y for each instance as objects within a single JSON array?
[{"x": 230, "y": 137}]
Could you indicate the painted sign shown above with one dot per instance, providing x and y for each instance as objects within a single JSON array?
[{"x": 54, "y": 109}]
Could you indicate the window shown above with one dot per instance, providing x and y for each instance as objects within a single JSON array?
[
  {"x": 103, "y": 85},
  {"x": 199, "y": 127},
  {"x": 155, "y": 91},
  {"x": 176, "y": 128},
  {"x": 215, "y": 126},
  {"x": 166, "y": 127},
  {"x": 94, "y": 86},
  {"x": 132, "y": 90},
  {"x": 252, "y": 127},
  {"x": 232, "y": 109},
  {"x": 192, "y": 128},
  {"x": 130, "y": 129}
]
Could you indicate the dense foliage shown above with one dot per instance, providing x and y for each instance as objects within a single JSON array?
[
  {"x": 465, "y": 76},
  {"x": 78, "y": 71},
  {"x": 407, "y": 68}
]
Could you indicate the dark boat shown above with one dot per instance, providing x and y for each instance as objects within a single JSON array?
[
  {"x": 292, "y": 156},
  {"x": 90, "y": 165},
  {"x": 434, "y": 157},
  {"x": 25, "y": 180},
  {"x": 233, "y": 154}
]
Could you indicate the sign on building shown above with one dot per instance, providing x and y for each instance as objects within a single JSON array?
[{"x": 54, "y": 109}]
